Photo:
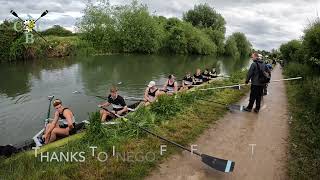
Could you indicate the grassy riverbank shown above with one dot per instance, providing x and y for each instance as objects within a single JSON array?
[
  {"x": 304, "y": 99},
  {"x": 181, "y": 119},
  {"x": 302, "y": 58}
]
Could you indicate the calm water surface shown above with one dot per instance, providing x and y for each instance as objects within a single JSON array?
[{"x": 25, "y": 86}]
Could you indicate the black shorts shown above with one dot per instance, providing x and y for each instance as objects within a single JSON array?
[{"x": 72, "y": 131}]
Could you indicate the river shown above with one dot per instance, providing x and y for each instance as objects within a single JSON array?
[{"x": 25, "y": 86}]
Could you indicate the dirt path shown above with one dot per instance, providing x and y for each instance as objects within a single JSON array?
[{"x": 230, "y": 138}]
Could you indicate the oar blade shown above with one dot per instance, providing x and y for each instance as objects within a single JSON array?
[
  {"x": 218, "y": 164},
  {"x": 235, "y": 107},
  {"x": 44, "y": 13},
  {"x": 236, "y": 87},
  {"x": 14, "y": 13}
]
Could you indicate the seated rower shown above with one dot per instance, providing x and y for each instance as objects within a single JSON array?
[
  {"x": 171, "y": 86},
  {"x": 213, "y": 73},
  {"x": 198, "y": 79},
  {"x": 54, "y": 129},
  {"x": 187, "y": 82},
  {"x": 151, "y": 93},
  {"x": 206, "y": 75},
  {"x": 117, "y": 102}
]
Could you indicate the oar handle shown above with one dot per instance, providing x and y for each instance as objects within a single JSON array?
[
  {"x": 162, "y": 138},
  {"x": 158, "y": 136}
]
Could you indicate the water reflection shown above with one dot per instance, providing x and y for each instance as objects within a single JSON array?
[{"x": 25, "y": 86}]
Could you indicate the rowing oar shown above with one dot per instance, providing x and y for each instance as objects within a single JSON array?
[
  {"x": 230, "y": 107},
  {"x": 43, "y": 14},
  {"x": 126, "y": 98},
  {"x": 239, "y": 85},
  {"x": 121, "y": 83},
  {"x": 216, "y": 163},
  {"x": 35, "y": 138},
  {"x": 104, "y": 98},
  {"x": 16, "y": 15}
]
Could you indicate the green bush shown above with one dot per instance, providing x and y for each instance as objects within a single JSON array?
[
  {"x": 291, "y": 51},
  {"x": 8, "y": 38},
  {"x": 57, "y": 30},
  {"x": 166, "y": 107},
  {"x": 95, "y": 130}
]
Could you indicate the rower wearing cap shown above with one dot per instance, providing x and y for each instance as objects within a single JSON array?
[
  {"x": 117, "y": 102},
  {"x": 171, "y": 85},
  {"x": 151, "y": 93},
  {"x": 54, "y": 129}
]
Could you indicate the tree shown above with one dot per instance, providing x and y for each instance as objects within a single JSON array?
[
  {"x": 231, "y": 48},
  {"x": 204, "y": 16},
  {"x": 243, "y": 44},
  {"x": 311, "y": 42},
  {"x": 217, "y": 37},
  {"x": 291, "y": 51},
  {"x": 138, "y": 31}
]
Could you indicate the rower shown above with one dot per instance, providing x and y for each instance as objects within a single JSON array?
[
  {"x": 171, "y": 85},
  {"x": 117, "y": 102},
  {"x": 54, "y": 129},
  {"x": 151, "y": 93},
  {"x": 206, "y": 75},
  {"x": 213, "y": 73},
  {"x": 198, "y": 79},
  {"x": 187, "y": 82}
]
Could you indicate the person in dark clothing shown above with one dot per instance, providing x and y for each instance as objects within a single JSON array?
[
  {"x": 265, "y": 89},
  {"x": 54, "y": 129},
  {"x": 118, "y": 104},
  {"x": 256, "y": 86}
]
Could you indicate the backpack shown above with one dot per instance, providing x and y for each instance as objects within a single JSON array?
[{"x": 263, "y": 76}]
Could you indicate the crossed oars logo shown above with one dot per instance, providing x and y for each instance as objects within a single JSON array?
[{"x": 29, "y": 25}]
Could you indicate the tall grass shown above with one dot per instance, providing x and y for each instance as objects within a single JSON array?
[{"x": 304, "y": 105}]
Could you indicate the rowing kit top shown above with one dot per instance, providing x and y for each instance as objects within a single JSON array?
[
  {"x": 198, "y": 78},
  {"x": 205, "y": 76},
  {"x": 118, "y": 104},
  {"x": 187, "y": 80},
  {"x": 64, "y": 120},
  {"x": 213, "y": 73},
  {"x": 170, "y": 87},
  {"x": 152, "y": 94}
]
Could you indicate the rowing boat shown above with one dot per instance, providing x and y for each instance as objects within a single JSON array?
[{"x": 79, "y": 128}]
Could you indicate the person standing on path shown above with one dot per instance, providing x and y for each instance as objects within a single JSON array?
[{"x": 256, "y": 86}]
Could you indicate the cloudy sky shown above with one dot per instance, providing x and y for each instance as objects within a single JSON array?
[{"x": 266, "y": 23}]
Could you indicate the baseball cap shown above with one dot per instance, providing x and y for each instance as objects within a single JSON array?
[{"x": 151, "y": 84}]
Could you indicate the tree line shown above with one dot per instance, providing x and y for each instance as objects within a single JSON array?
[{"x": 132, "y": 29}]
